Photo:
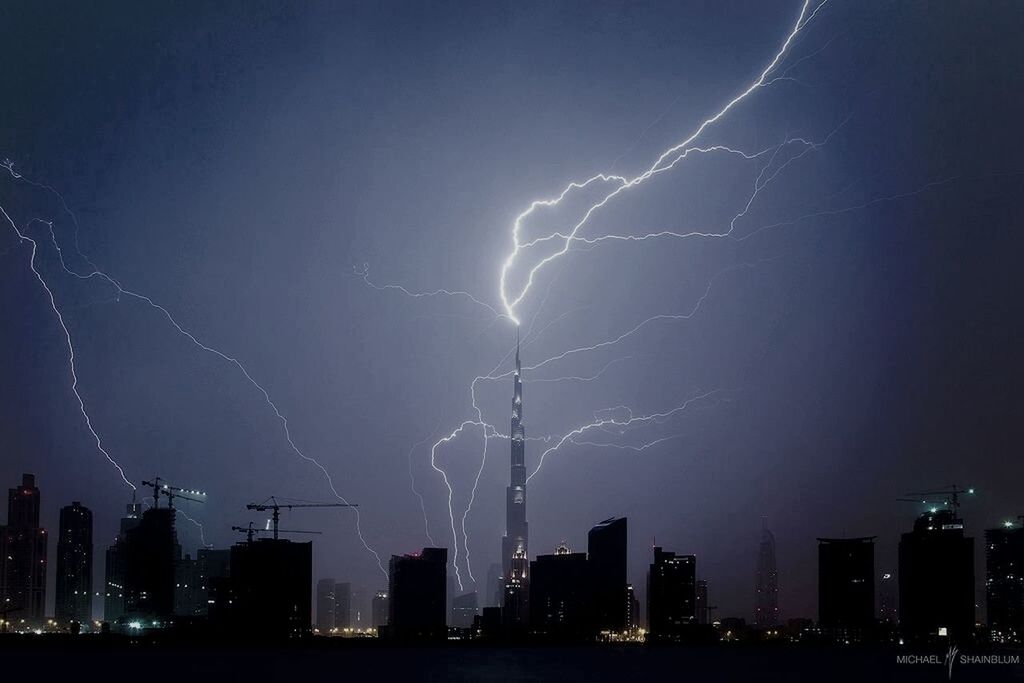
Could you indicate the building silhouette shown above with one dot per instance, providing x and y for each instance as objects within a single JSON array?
[
  {"x": 703, "y": 612},
  {"x": 1004, "y": 582},
  {"x": 464, "y": 610},
  {"x": 74, "y": 565},
  {"x": 888, "y": 603},
  {"x": 671, "y": 595},
  {"x": 152, "y": 555},
  {"x": 846, "y": 587},
  {"x": 193, "y": 579},
  {"x": 417, "y": 590},
  {"x": 633, "y": 612},
  {"x": 936, "y": 576},
  {"x": 325, "y": 605},
  {"x": 561, "y": 596},
  {"x": 271, "y": 585},
  {"x": 606, "y": 550},
  {"x": 343, "y": 605},
  {"x": 515, "y": 543},
  {"x": 379, "y": 609},
  {"x": 495, "y": 586},
  {"x": 114, "y": 568},
  {"x": 23, "y": 555},
  {"x": 766, "y": 608}
]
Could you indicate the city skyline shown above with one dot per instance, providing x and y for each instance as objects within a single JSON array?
[{"x": 285, "y": 265}]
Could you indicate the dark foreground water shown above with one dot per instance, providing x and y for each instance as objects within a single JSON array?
[{"x": 24, "y": 660}]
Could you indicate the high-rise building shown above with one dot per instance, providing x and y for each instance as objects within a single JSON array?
[
  {"x": 671, "y": 594},
  {"x": 561, "y": 595},
  {"x": 495, "y": 586},
  {"x": 887, "y": 600},
  {"x": 633, "y": 609},
  {"x": 186, "y": 587},
  {"x": 417, "y": 591},
  {"x": 325, "y": 605},
  {"x": 74, "y": 565},
  {"x": 766, "y": 608},
  {"x": 1004, "y": 582},
  {"x": 846, "y": 586},
  {"x": 606, "y": 548},
  {"x": 703, "y": 613},
  {"x": 342, "y": 605},
  {"x": 936, "y": 577},
  {"x": 116, "y": 559},
  {"x": 214, "y": 565},
  {"x": 515, "y": 543},
  {"x": 152, "y": 555},
  {"x": 193, "y": 578},
  {"x": 358, "y": 614},
  {"x": 23, "y": 555},
  {"x": 380, "y": 609},
  {"x": 465, "y": 607},
  {"x": 271, "y": 585}
]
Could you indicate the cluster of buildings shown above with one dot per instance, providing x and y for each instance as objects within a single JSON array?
[{"x": 264, "y": 586}]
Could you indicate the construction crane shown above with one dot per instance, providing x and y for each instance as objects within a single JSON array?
[
  {"x": 159, "y": 487},
  {"x": 250, "y": 531},
  {"x": 949, "y": 496},
  {"x": 276, "y": 507}
]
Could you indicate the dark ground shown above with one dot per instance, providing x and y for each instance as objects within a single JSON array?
[{"x": 89, "y": 659}]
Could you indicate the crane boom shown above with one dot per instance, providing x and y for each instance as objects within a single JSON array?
[{"x": 275, "y": 507}]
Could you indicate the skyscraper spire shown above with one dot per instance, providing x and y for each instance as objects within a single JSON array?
[{"x": 514, "y": 549}]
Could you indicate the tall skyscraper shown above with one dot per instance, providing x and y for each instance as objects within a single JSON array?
[
  {"x": 325, "y": 606},
  {"x": 766, "y": 608},
  {"x": 193, "y": 578},
  {"x": 514, "y": 545},
  {"x": 703, "y": 613},
  {"x": 380, "y": 609},
  {"x": 937, "y": 578},
  {"x": 632, "y": 609},
  {"x": 671, "y": 594},
  {"x": 846, "y": 586},
  {"x": 465, "y": 608},
  {"x": 418, "y": 595},
  {"x": 271, "y": 584},
  {"x": 74, "y": 565},
  {"x": 561, "y": 598},
  {"x": 116, "y": 560},
  {"x": 606, "y": 547},
  {"x": 343, "y": 605},
  {"x": 23, "y": 555},
  {"x": 152, "y": 557},
  {"x": 1004, "y": 582}
]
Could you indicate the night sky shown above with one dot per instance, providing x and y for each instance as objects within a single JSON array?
[{"x": 857, "y": 337}]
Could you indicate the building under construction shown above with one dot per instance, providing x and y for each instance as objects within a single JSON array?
[{"x": 270, "y": 585}]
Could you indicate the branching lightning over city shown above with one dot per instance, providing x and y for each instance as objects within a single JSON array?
[
  {"x": 488, "y": 274},
  {"x": 96, "y": 273},
  {"x": 774, "y": 161}
]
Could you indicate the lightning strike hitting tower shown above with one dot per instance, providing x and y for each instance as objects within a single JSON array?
[{"x": 514, "y": 555}]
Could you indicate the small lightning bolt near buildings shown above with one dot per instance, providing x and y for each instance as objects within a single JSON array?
[{"x": 514, "y": 557}]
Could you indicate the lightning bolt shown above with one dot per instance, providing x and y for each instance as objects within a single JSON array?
[
  {"x": 122, "y": 291},
  {"x": 666, "y": 161},
  {"x": 71, "y": 347},
  {"x": 620, "y": 423},
  {"x": 412, "y": 485},
  {"x": 198, "y": 524},
  {"x": 364, "y": 274}
]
